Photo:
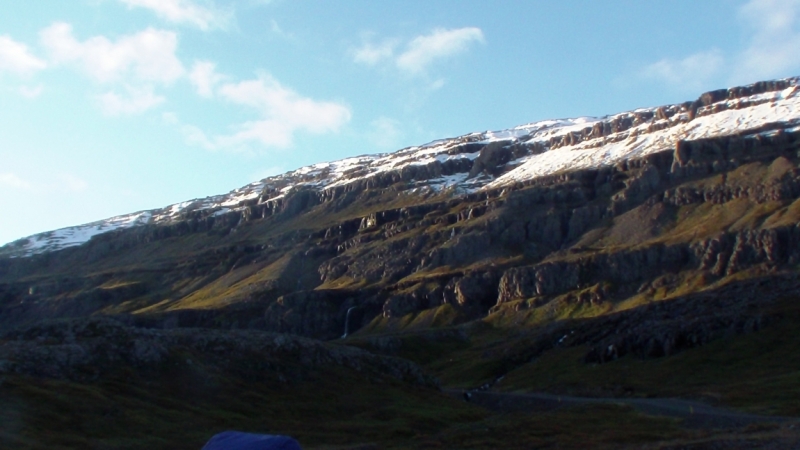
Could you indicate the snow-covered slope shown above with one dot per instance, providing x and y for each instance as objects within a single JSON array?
[{"x": 541, "y": 148}]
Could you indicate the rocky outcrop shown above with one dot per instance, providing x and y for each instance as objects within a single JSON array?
[
  {"x": 495, "y": 155},
  {"x": 557, "y": 277},
  {"x": 400, "y": 304},
  {"x": 666, "y": 328},
  {"x": 319, "y": 314},
  {"x": 724, "y": 254},
  {"x": 85, "y": 349},
  {"x": 666, "y": 116},
  {"x": 476, "y": 289},
  {"x": 729, "y": 253},
  {"x": 458, "y": 250}
]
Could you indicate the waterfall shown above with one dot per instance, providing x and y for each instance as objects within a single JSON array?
[{"x": 347, "y": 321}]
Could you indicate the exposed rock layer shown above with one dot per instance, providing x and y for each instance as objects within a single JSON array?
[{"x": 389, "y": 246}]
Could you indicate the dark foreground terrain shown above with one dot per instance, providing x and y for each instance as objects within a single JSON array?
[{"x": 99, "y": 383}]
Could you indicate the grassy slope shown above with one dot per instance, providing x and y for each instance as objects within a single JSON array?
[
  {"x": 182, "y": 409},
  {"x": 174, "y": 411},
  {"x": 757, "y": 372}
]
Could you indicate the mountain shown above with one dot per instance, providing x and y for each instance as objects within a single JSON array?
[
  {"x": 480, "y": 162},
  {"x": 648, "y": 253},
  {"x": 479, "y": 221}
]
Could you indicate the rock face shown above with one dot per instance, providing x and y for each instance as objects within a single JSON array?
[
  {"x": 665, "y": 328},
  {"x": 85, "y": 349},
  {"x": 582, "y": 211},
  {"x": 309, "y": 313}
]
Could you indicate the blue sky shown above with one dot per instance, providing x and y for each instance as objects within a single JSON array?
[{"x": 113, "y": 106}]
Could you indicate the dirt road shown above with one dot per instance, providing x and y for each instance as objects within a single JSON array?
[{"x": 694, "y": 414}]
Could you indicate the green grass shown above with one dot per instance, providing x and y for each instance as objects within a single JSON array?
[
  {"x": 596, "y": 426},
  {"x": 758, "y": 372},
  {"x": 125, "y": 413},
  {"x": 442, "y": 316},
  {"x": 183, "y": 408}
]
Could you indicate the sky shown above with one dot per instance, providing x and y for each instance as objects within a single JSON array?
[{"x": 109, "y": 107}]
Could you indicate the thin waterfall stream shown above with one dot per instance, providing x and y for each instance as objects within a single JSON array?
[{"x": 347, "y": 321}]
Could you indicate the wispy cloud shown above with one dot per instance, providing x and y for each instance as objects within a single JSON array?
[
  {"x": 31, "y": 92},
  {"x": 135, "y": 100},
  {"x": 385, "y": 133},
  {"x": 692, "y": 72},
  {"x": 185, "y": 12},
  {"x": 420, "y": 52},
  {"x": 281, "y": 114},
  {"x": 72, "y": 183},
  {"x": 195, "y": 136},
  {"x": 774, "y": 48},
  {"x": 771, "y": 30},
  {"x": 15, "y": 57},
  {"x": 278, "y": 31},
  {"x": 371, "y": 54},
  {"x": 267, "y": 172},
  {"x": 128, "y": 68},
  {"x": 146, "y": 56},
  {"x": 60, "y": 182},
  {"x": 204, "y": 78},
  {"x": 13, "y": 181}
]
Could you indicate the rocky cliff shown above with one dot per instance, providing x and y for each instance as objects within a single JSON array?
[{"x": 582, "y": 216}]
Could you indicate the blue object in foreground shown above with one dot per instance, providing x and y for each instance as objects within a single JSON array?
[{"x": 235, "y": 440}]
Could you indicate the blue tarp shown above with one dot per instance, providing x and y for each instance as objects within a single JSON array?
[{"x": 235, "y": 440}]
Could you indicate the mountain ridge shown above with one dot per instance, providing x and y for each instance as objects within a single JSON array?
[{"x": 481, "y": 161}]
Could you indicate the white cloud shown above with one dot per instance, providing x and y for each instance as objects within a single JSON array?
[
  {"x": 283, "y": 112},
  {"x": 771, "y": 31},
  {"x": 774, "y": 48},
  {"x": 266, "y": 173},
  {"x": 31, "y": 91},
  {"x": 185, "y": 11},
  {"x": 273, "y": 25},
  {"x": 278, "y": 31},
  {"x": 436, "y": 84},
  {"x": 421, "y": 51},
  {"x": 15, "y": 57},
  {"x": 425, "y": 50},
  {"x": 692, "y": 72},
  {"x": 371, "y": 54},
  {"x": 72, "y": 183},
  {"x": 204, "y": 78},
  {"x": 13, "y": 181},
  {"x": 146, "y": 56},
  {"x": 196, "y": 136},
  {"x": 192, "y": 134},
  {"x": 385, "y": 133},
  {"x": 136, "y": 100},
  {"x": 170, "y": 118}
]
